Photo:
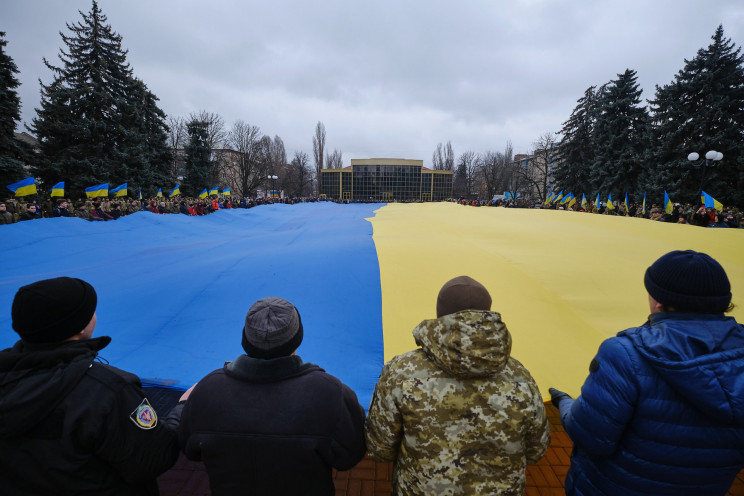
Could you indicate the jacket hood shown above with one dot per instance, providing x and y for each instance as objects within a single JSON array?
[
  {"x": 701, "y": 358},
  {"x": 471, "y": 343},
  {"x": 34, "y": 379}
]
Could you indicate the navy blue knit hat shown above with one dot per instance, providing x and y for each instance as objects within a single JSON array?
[{"x": 689, "y": 281}]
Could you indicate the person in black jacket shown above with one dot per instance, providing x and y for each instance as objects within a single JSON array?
[
  {"x": 69, "y": 424},
  {"x": 269, "y": 423}
]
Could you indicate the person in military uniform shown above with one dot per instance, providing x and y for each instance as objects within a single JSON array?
[
  {"x": 458, "y": 415},
  {"x": 68, "y": 423}
]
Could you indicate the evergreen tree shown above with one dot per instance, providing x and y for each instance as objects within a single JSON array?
[
  {"x": 13, "y": 153},
  {"x": 621, "y": 135},
  {"x": 198, "y": 166},
  {"x": 576, "y": 148},
  {"x": 97, "y": 123},
  {"x": 701, "y": 110}
]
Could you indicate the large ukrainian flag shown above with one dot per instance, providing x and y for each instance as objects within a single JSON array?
[{"x": 362, "y": 277}]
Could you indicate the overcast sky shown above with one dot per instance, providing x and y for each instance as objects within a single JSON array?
[{"x": 387, "y": 78}]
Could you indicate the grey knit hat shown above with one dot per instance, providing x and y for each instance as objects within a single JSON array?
[
  {"x": 462, "y": 293},
  {"x": 273, "y": 328}
]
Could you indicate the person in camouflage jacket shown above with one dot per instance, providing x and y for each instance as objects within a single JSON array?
[{"x": 458, "y": 415}]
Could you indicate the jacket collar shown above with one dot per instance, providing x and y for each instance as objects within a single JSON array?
[{"x": 276, "y": 369}]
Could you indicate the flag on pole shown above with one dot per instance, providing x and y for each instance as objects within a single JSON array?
[
  {"x": 58, "y": 189},
  {"x": 24, "y": 187},
  {"x": 175, "y": 191},
  {"x": 710, "y": 202},
  {"x": 583, "y": 201},
  {"x": 668, "y": 207},
  {"x": 549, "y": 198},
  {"x": 139, "y": 193},
  {"x": 160, "y": 193},
  {"x": 643, "y": 209},
  {"x": 203, "y": 194},
  {"x": 558, "y": 197},
  {"x": 97, "y": 190},
  {"x": 120, "y": 190},
  {"x": 610, "y": 205},
  {"x": 626, "y": 203},
  {"x": 596, "y": 202},
  {"x": 214, "y": 191},
  {"x": 226, "y": 192}
]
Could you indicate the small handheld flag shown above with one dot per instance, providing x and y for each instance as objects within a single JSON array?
[
  {"x": 643, "y": 209},
  {"x": 97, "y": 190},
  {"x": 160, "y": 193},
  {"x": 203, "y": 194},
  {"x": 58, "y": 189},
  {"x": 668, "y": 207},
  {"x": 120, "y": 190},
  {"x": 626, "y": 202},
  {"x": 710, "y": 202},
  {"x": 226, "y": 192},
  {"x": 214, "y": 191},
  {"x": 610, "y": 205},
  {"x": 175, "y": 191},
  {"x": 583, "y": 201},
  {"x": 24, "y": 187}
]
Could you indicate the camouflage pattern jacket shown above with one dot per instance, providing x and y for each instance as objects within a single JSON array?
[{"x": 458, "y": 415}]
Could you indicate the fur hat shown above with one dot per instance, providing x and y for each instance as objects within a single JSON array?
[{"x": 462, "y": 293}]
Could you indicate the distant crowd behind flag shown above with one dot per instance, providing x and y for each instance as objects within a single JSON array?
[
  {"x": 710, "y": 202},
  {"x": 97, "y": 190},
  {"x": 120, "y": 190},
  {"x": 58, "y": 190},
  {"x": 24, "y": 187}
]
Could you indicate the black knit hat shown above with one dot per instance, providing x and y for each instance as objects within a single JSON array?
[
  {"x": 53, "y": 310},
  {"x": 462, "y": 293},
  {"x": 273, "y": 328},
  {"x": 689, "y": 281}
]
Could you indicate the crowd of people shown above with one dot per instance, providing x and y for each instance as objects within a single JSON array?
[
  {"x": 16, "y": 210},
  {"x": 681, "y": 214},
  {"x": 661, "y": 412}
]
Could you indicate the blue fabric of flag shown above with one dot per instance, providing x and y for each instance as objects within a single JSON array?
[{"x": 319, "y": 256}]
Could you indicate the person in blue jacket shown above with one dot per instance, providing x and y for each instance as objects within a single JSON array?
[{"x": 662, "y": 411}]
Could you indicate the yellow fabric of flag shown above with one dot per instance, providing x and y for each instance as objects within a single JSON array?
[{"x": 556, "y": 328}]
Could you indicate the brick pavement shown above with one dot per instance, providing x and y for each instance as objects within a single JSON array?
[{"x": 370, "y": 478}]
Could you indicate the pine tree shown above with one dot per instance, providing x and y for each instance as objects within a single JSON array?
[
  {"x": 576, "y": 149},
  {"x": 97, "y": 123},
  {"x": 13, "y": 153},
  {"x": 198, "y": 159},
  {"x": 621, "y": 135},
  {"x": 701, "y": 110}
]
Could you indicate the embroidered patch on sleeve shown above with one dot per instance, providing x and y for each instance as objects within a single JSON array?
[{"x": 144, "y": 415}]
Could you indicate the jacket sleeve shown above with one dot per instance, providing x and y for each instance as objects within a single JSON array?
[
  {"x": 384, "y": 425},
  {"x": 348, "y": 440},
  {"x": 138, "y": 452},
  {"x": 596, "y": 420},
  {"x": 537, "y": 439}
]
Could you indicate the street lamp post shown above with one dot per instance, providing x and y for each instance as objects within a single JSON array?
[
  {"x": 712, "y": 155},
  {"x": 273, "y": 178}
]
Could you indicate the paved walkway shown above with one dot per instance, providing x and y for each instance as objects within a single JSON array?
[{"x": 370, "y": 478}]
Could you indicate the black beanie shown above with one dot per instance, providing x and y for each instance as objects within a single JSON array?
[
  {"x": 462, "y": 293},
  {"x": 53, "y": 310},
  {"x": 689, "y": 281},
  {"x": 273, "y": 328}
]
